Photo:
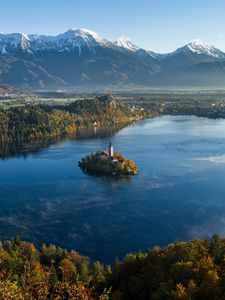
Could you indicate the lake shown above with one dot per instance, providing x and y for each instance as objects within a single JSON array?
[{"x": 178, "y": 194}]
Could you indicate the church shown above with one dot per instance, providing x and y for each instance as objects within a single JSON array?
[
  {"x": 108, "y": 162},
  {"x": 109, "y": 153}
]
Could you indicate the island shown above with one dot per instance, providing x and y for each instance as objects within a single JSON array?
[{"x": 107, "y": 162}]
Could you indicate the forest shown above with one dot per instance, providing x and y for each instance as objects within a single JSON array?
[
  {"x": 181, "y": 270},
  {"x": 27, "y": 122},
  {"x": 37, "y": 121}
]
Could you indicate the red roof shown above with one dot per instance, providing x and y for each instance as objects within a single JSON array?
[{"x": 105, "y": 152}]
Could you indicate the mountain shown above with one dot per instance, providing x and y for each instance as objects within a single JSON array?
[
  {"x": 78, "y": 57},
  {"x": 82, "y": 58},
  {"x": 26, "y": 74},
  {"x": 192, "y": 53},
  {"x": 203, "y": 75},
  {"x": 7, "y": 91},
  {"x": 126, "y": 43},
  {"x": 32, "y": 43}
]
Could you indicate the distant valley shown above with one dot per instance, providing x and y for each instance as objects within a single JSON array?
[{"x": 80, "y": 58}]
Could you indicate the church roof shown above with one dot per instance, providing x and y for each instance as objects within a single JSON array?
[{"x": 105, "y": 152}]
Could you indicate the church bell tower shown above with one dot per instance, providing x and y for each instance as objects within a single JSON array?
[{"x": 110, "y": 149}]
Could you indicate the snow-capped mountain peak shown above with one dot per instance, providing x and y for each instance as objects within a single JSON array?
[
  {"x": 13, "y": 41},
  {"x": 83, "y": 33},
  {"x": 126, "y": 43},
  {"x": 197, "y": 42},
  {"x": 81, "y": 40},
  {"x": 67, "y": 41},
  {"x": 198, "y": 47},
  {"x": 201, "y": 51}
]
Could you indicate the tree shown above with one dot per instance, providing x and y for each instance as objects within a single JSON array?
[
  {"x": 98, "y": 273},
  {"x": 68, "y": 270}
]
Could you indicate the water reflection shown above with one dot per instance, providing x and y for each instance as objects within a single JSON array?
[
  {"x": 107, "y": 178},
  {"x": 178, "y": 193},
  {"x": 25, "y": 148}
]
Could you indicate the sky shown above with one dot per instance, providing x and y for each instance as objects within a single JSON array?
[{"x": 157, "y": 25}]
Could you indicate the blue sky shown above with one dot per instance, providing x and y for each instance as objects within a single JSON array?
[{"x": 159, "y": 25}]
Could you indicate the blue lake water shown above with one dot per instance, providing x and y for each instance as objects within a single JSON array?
[{"x": 178, "y": 194}]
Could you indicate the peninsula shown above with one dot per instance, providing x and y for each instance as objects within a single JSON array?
[{"x": 109, "y": 163}]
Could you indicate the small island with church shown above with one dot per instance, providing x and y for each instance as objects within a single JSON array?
[{"x": 106, "y": 162}]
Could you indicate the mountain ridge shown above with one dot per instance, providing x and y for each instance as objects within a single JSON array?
[
  {"x": 81, "y": 57},
  {"x": 123, "y": 41}
]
